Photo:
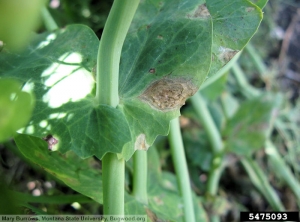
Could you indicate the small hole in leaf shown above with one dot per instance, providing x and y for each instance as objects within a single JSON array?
[
  {"x": 160, "y": 37},
  {"x": 51, "y": 141},
  {"x": 152, "y": 70}
]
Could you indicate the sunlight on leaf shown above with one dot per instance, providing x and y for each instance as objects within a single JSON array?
[
  {"x": 47, "y": 41},
  {"x": 74, "y": 81}
]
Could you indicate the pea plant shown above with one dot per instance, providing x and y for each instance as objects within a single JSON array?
[{"x": 72, "y": 97}]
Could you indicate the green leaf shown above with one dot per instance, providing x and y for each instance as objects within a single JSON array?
[
  {"x": 57, "y": 68},
  {"x": 197, "y": 148},
  {"x": 69, "y": 168},
  {"x": 234, "y": 23},
  {"x": 166, "y": 56},
  {"x": 247, "y": 130},
  {"x": 15, "y": 107},
  {"x": 162, "y": 70},
  {"x": 260, "y": 3},
  {"x": 144, "y": 122}
]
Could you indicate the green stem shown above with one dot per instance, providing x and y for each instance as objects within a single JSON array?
[
  {"x": 209, "y": 125},
  {"x": 215, "y": 175},
  {"x": 248, "y": 90},
  {"x": 113, "y": 172},
  {"x": 140, "y": 176},
  {"x": 114, "y": 33},
  {"x": 49, "y": 22},
  {"x": 181, "y": 169},
  {"x": 261, "y": 182},
  {"x": 216, "y": 142},
  {"x": 262, "y": 68},
  {"x": 113, "y": 36},
  {"x": 281, "y": 169}
]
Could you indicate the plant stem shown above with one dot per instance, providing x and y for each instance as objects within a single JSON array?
[
  {"x": 215, "y": 173},
  {"x": 179, "y": 160},
  {"x": 113, "y": 36},
  {"x": 261, "y": 182},
  {"x": 248, "y": 90},
  {"x": 49, "y": 22},
  {"x": 113, "y": 173},
  {"x": 140, "y": 176},
  {"x": 281, "y": 169},
  {"x": 114, "y": 33},
  {"x": 216, "y": 142},
  {"x": 256, "y": 59},
  {"x": 208, "y": 123}
]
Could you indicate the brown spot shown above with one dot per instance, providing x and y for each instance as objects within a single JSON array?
[
  {"x": 200, "y": 12},
  {"x": 226, "y": 54},
  {"x": 152, "y": 70},
  {"x": 158, "y": 200},
  {"x": 160, "y": 37},
  {"x": 168, "y": 94},
  {"x": 72, "y": 181},
  {"x": 140, "y": 143},
  {"x": 1, "y": 45},
  {"x": 51, "y": 141},
  {"x": 94, "y": 71},
  {"x": 184, "y": 122},
  {"x": 249, "y": 9}
]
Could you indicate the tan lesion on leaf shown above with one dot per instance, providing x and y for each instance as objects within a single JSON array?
[
  {"x": 250, "y": 9},
  {"x": 200, "y": 12},
  {"x": 160, "y": 37},
  {"x": 158, "y": 200},
  {"x": 140, "y": 143},
  {"x": 226, "y": 54},
  {"x": 168, "y": 94}
]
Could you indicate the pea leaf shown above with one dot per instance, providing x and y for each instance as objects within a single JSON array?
[
  {"x": 246, "y": 131},
  {"x": 260, "y": 3},
  {"x": 162, "y": 70},
  {"x": 167, "y": 54},
  {"x": 234, "y": 23},
  {"x": 57, "y": 68},
  {"x": 69, "y": 168}
]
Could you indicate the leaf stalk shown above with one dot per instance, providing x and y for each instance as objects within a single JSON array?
[
  {"x": 140, "y": 176},
  {"x": 180, "y": 164},
  {"x": 109, "y": 53}
]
